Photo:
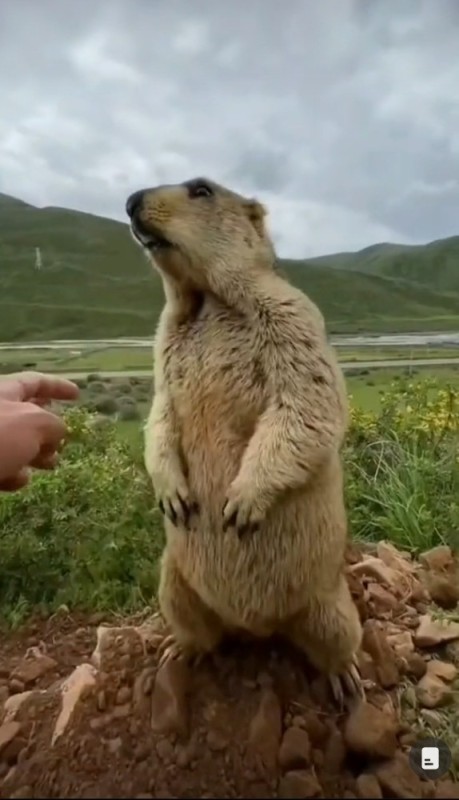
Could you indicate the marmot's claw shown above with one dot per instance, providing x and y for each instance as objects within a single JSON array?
[
  {"x": 243, "y": 530},
  {"x": 347, "y": 685},
  {"x": 244, "y": 517},
  {"x": 178, "y": 509},
  {"x": 171, "y": 650}
]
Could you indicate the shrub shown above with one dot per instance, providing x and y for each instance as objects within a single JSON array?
[
  {"x": 97, "y": 387},
  {"x": 402, "y": 471},
  {"x": 128, "y": 409},
  {"x": 123, "y": 388},
  {"x": 87, "y": 534},
  {"x": 93, "y": 376},
  {"x": 105, "y": 404},
  {"x": 143, "y": 393}
]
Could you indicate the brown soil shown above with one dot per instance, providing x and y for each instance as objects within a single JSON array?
[{"x": 84, "y": 711}]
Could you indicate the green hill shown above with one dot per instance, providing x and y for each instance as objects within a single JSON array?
[
  {"x": 94, "y": 282},
  {"x": 434, "y": 265}
]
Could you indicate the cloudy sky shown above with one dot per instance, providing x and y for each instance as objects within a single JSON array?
[{"x": 342, "y": 115}]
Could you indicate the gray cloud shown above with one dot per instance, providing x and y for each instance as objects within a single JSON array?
[{"x": 342, "y": 116}]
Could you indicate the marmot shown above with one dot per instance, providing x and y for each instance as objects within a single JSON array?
[{"x": 244, "y": 435}]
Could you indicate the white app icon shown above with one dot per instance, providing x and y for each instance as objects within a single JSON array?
[{"x": 430, "y": 758}]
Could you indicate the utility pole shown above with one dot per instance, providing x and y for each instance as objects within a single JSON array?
[{"x": 38, "y": 260}]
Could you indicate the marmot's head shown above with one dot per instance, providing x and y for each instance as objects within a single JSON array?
[{"x": 193, "y": 227}]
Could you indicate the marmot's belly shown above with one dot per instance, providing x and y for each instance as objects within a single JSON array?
[
  {"x": 251, "y": 583},
  {"x": 213, "y": 455}
]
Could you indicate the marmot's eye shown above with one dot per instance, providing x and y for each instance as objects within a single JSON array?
[{"x": 200, "y": 190}]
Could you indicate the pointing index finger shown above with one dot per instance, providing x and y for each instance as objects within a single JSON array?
[{"x": 39, "y": 386}]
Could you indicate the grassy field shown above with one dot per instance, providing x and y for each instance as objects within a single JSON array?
[
  {"x": 115, "y": 359},
  {"x": 93, "y": 281},
  {"x": 372, "y": 353},
  {"x": 89, "y": 535}
]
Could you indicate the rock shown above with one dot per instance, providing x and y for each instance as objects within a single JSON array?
[
  {"x": 30, "y": 670},
  {"x": 397, "y": 779},
  {"x": 216, "y": 741},
  {"x": 8, "y": 732},
  {"x": 443, "y": 589},
  {"x": 433, "y": 632},
  {"x": 143, "y": 686},
  {"x": 393, "y": 558},
  {"x": 4, "y": 694},
  {"x": 375, "y": 643},
  {"x": 117, "y": 645},
  {"x": 383, "y": 601},
  {"x": 402, "y": 643},
  {"x": 367, "y": 787},
  {"x": 335, "y": 752},
  {"x": 78, "y": 682},
  {"x": 371, "y": 732},
  {"x": 432, "y": 690},
  {"x": 374, "y": 568},
  {"x": 442, "y": 669},
  {"x": 101, "y": 700},
  {"x": 169, "y": 713},
  {"x": 438, "y": 558},
  {"x": 266, "y": 729},
  {"x": 16, "y": 686},
  {"x": 418, "y": 594},
  {"x": 315, "y": 727},
  {"x": 299, "y": 784},
  {"x": 121, "y": 712},
  {"x": 123, "y": 695},
  {"x": 416, "y": 665},
  {"x": 295, "y": 749},
  {"x": 298, "y": 721},
  {"x": 165, "y": 750},
  {"x": 367, "y": 666},
  {"x": 115, "y": 745},
  {"x": 13, "y": 704}
]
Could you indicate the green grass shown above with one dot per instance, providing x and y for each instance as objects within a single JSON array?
[
  {"x": 108, "y": 358},
  {"x": 94, "y": 282},
  {"x": 367, "y": 390},
  {"x": 372, "y": 353}
]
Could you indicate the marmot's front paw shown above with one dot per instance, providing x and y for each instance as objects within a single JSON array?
[
  {"x": 242, "y": 511},
  {"x": 174, "y": 501}
]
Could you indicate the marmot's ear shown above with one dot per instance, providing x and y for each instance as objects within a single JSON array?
[{"x": 256, "y": 213}]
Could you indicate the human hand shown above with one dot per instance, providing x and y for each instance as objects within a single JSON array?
[
  {"x": 36, "y": 387},
  {"x": 30, "y": 436}
]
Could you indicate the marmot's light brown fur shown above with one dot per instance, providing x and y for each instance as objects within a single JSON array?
[{"x": 243, "y": 439}]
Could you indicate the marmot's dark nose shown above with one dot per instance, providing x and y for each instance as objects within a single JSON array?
[{"x": 134, "y": 202}]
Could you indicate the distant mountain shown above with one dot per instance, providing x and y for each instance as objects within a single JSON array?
[{"x": 94, "y": 282}]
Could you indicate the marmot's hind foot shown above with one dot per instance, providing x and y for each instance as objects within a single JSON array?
[
  {"x": 171, "y": 650},
  {"x": 347, "y": 687}
]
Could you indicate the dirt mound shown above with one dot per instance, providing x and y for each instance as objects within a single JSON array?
[{"x": 85, "y": 712}]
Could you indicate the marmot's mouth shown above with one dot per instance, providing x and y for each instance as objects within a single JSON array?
[{"x": 151, "y": 240}]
